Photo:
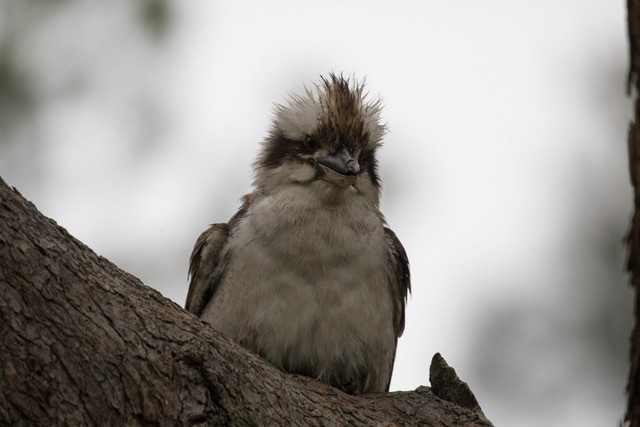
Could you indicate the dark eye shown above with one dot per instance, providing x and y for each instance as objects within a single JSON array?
[{"x": 309, "y": 144}]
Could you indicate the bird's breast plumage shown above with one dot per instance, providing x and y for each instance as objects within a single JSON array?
[{"x": 315, "y": 298}]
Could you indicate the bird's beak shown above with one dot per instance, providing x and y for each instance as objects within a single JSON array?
[{"x": 340, "y": 168}]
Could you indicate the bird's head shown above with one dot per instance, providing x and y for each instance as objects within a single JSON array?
[{"x": 327, "y": 139}]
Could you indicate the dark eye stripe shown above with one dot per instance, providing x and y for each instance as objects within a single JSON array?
[{"x": 278, "y": 148}]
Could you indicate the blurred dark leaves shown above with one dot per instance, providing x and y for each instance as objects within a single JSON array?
[
  {"x": 17, "y": 97},
  {"x": 156, "y": 17},
  {"x": 536, "y": 349}
]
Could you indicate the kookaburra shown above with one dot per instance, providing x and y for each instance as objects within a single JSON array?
[{"x": 307, "y": 274}]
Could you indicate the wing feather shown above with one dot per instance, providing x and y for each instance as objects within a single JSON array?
[
  {"x": 399, "y": 285},
  {"x": 400, "y": 281},
  {"x": 202, "y": 264},
  {"x": 209, "y": 259}
]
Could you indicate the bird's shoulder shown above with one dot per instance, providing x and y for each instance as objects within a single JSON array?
[{"x": 206, "y": 264}]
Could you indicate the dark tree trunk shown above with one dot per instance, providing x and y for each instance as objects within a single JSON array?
[
  {"x": 83, "y": 342},
  {"x": 633, "y": 240}
]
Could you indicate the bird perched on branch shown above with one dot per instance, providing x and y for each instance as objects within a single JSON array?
[{"x": 306, "y": 273}]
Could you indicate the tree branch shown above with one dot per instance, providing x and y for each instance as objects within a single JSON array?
[
  {"x": 83, "y": 342},
  {"x": 633, "y": 239}
]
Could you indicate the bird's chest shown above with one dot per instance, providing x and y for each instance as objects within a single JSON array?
[
  {"x": 322, "y": 262},
  {"x": 303, "y": 282},
  {"x": 311, "y": 263},
  {"x": 314, "y": 241}
]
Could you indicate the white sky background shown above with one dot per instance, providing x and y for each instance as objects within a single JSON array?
[{"x": 504, "y": 169}]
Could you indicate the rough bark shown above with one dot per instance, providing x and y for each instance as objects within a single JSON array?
[
  {"x": 632, "y": 416},
  {"x": 83, "y": 342}
]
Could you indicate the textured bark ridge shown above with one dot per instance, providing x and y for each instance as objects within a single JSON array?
[
  {"x": 447, "y": 386},
  {"x": 83, "y": 342}
]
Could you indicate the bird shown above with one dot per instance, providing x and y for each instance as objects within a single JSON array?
[{"x": 307, "y": 274}]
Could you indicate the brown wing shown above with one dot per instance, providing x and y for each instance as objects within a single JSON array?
[
  {"x": 400, "y": 280},
  {"x": 209, "y": 259},
  {"x": 204, "y": 261},
  {"x": 399, "y": 285}
]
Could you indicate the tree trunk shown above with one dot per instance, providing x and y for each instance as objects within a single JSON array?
[
  {"x": 83, "y": 342},
  {"x": 632, "y": 416}
]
